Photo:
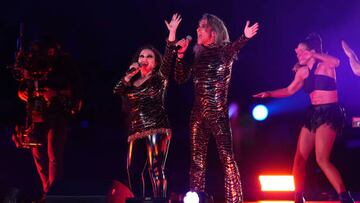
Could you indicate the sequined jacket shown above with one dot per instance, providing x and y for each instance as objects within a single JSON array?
[
  {"x": 211, "y": 73},
  {"x": 146, "y": 102}
]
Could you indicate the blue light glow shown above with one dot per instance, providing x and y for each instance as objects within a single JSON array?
[{"x": 260, "y": 112}]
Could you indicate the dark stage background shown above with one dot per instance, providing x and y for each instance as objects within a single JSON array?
[{"x": 103, "y": 35}]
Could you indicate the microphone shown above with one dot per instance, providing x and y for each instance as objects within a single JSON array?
[
  {"x": 137, "y": 75},
  {"x": 132, "y": 69},
  {"x": 188, "y": 37}
]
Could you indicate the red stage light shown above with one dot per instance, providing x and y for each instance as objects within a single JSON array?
[{"x": 277, "y": 183}]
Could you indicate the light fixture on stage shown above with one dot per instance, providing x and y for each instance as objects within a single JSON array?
[
  {"x": 191, "y": 197},
  {"x": 277, "y": 183},
  {"x": 260, "y": 112},
  {"x": 276, "y": 187},
  {"x": 197, "y": 197}
]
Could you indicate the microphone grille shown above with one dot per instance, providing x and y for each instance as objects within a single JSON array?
[{"x": 188, "y": 37}]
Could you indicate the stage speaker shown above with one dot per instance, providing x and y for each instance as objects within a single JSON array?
[{"x": 88, "y": 192}]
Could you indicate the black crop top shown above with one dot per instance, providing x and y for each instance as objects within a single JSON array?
[{"x": 318, "y": 82}]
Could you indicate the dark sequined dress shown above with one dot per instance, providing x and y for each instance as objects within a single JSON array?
[{"x": 146, "y": 102}]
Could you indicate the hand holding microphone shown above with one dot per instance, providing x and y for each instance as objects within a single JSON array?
[
  {"x": 182, "y": 45},
  {"x": 133, "y": 73}
]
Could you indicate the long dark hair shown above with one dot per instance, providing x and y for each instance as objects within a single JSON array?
[
  {"x": 314, "y": 42},
  {"x": 158, "y": 57}
]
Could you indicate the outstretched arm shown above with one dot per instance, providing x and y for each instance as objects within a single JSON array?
[
  {"x": 182, "y": 74},
  {"x": 172, "y": 26},
  {"x": 294, "y": 86},
  {"x": 169, "y": 54},
  {"x": 353, "y": 59}
]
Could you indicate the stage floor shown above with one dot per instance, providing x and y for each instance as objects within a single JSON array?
[{"x": 283, "y": 201}]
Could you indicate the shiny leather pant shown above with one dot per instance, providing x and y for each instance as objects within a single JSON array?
[
  {"x": 201, "y": 130},
  {"x": 149, "y": 153}
]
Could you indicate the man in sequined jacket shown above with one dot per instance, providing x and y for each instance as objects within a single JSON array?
[{"x": 211, "y": 73}]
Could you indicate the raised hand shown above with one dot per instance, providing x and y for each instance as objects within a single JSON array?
[
  {"x": 172, "y": 26},
  {"x": 250, "y": 31},
  {"x": 174, "y": 23}
]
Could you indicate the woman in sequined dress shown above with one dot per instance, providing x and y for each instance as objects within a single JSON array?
[
  {"x": 211, "y": 72},
  {"x": 144, "y": 87}
]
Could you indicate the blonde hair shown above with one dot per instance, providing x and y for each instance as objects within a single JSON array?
[{"x": 217, "y": 26}]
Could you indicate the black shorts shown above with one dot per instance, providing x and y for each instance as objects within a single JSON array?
[{"x": 332, "y": 114}]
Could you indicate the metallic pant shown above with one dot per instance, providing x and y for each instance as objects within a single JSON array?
[
  {"x": 149, "y": 152},
  {"x": 201, "y": 129}
]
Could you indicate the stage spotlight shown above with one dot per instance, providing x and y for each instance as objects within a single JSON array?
[
  {"x": 276, "y": 183},
  {"x": 198, "y": 197},
  {"x": 260, "y": 112},
  {"x": 191, "y": 197}
]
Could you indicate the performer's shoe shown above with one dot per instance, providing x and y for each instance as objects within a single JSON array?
[
  {"x": 299, "y": 197},
  {"x": 345, "y": 197}
]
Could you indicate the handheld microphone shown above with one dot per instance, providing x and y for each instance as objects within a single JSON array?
[
  {"x": 188, "y": 37},
  {"x": 137, "y": 75},
  {"x": 132, "y": 69}
]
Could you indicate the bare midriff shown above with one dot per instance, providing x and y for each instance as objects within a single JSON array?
[{"x": 319, "y": 97}]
